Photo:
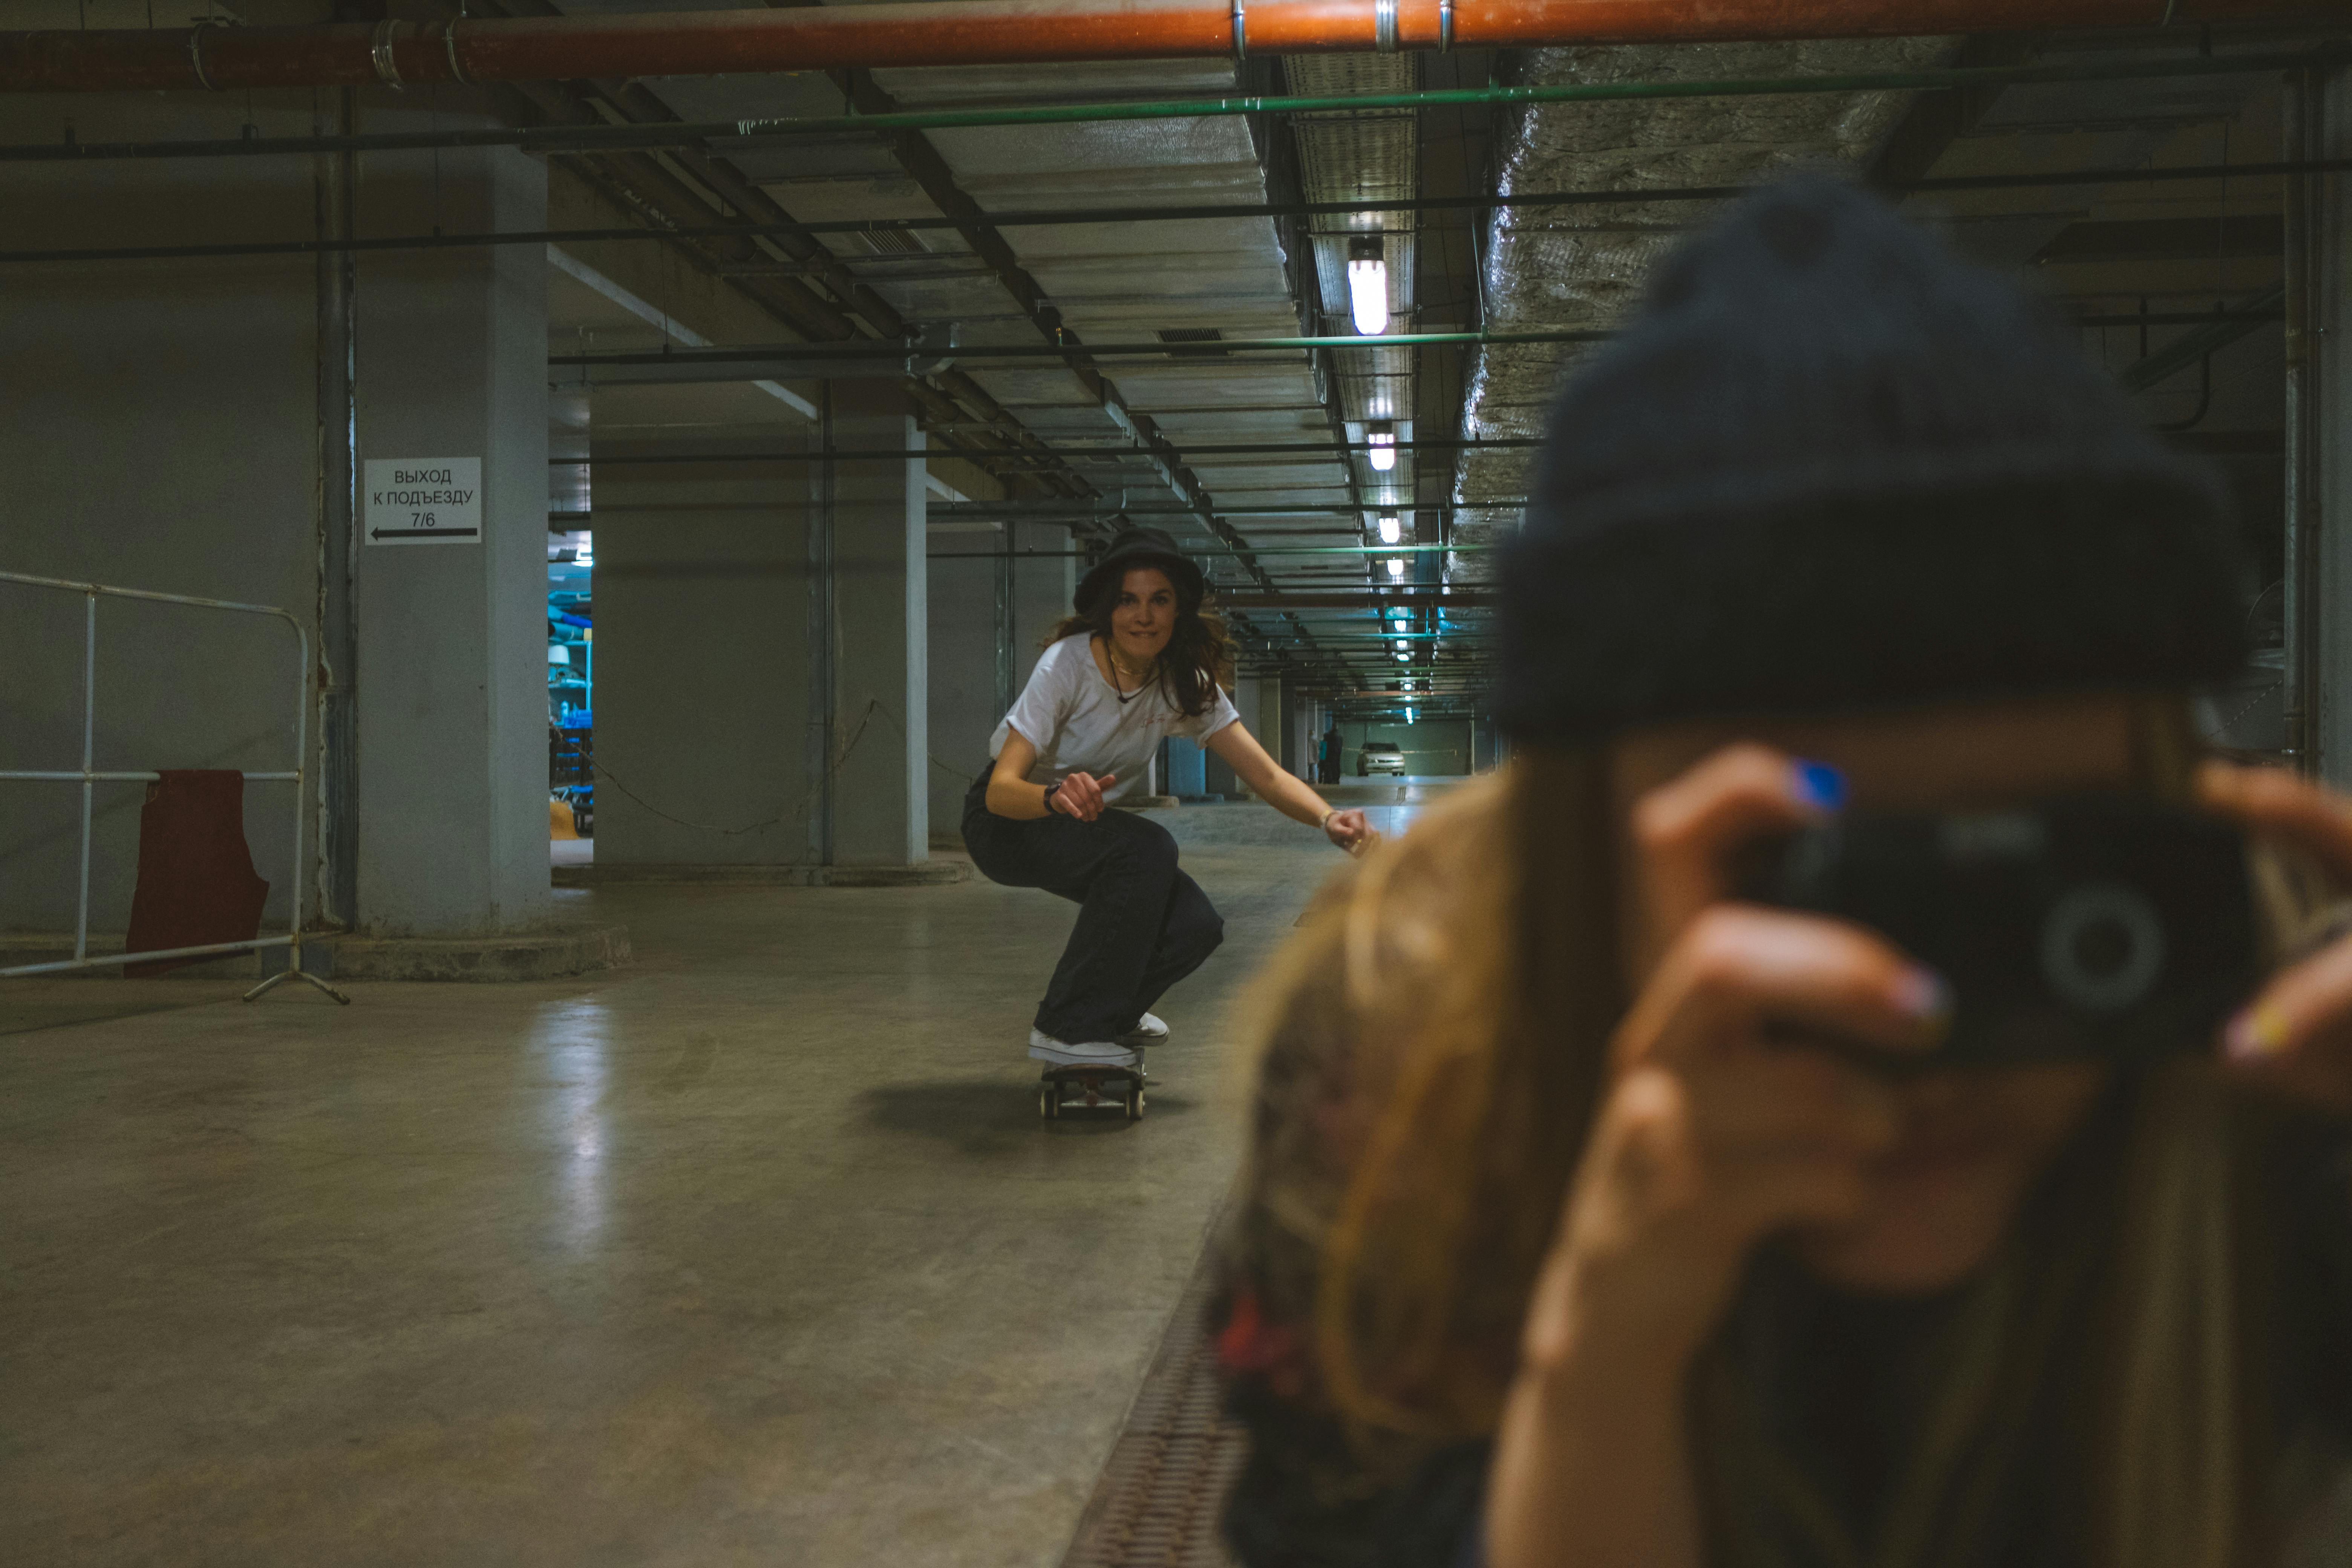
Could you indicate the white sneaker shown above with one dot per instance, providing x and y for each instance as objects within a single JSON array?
[
  {"x": 1149, "y": 1031},
  {"x": 1086, "y": 1054}
]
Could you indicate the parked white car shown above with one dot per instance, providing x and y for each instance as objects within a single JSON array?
[{"x": 1379, "y": 757}]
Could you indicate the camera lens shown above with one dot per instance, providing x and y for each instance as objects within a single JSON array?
[{"x": 2102, "y": 947}]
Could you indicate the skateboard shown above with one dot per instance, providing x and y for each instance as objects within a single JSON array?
[{"x": 1092, "y": 1087}]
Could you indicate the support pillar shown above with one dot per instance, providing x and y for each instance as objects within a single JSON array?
[
  {"x": 2319, "y": 404},
  {"x": 879, "y": 757},
  {"x": 451, "y": 688}
]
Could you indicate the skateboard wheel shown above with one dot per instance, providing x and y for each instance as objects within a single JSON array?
[{"x": 1049, "y": 1101}]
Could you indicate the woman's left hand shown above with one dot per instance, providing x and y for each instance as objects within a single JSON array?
[
  {"x": 2296, "y": 1034},
  {"x": 1352, "y": 830}
]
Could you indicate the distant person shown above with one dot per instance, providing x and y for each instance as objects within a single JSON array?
[
  {"x": 1601, "y": 1214},
  {"x": 1139, "y": 661},
  {"x": 1334, "y": 743}
]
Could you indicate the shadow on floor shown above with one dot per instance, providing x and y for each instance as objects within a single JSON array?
[
  {"x": 984, "y": 1115},
  {"x": 32, "y": 1004}
]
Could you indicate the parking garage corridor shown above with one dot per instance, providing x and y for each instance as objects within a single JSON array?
[{"x": 755, "y": 1250}]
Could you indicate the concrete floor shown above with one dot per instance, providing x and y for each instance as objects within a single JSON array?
[{"x": 756, "y": 1252}]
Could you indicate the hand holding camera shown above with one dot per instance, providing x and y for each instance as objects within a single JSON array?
[{"x": 1783, "y": 1051}]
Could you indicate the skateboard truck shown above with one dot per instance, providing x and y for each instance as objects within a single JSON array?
[{"x": 1092, "y": 1087}]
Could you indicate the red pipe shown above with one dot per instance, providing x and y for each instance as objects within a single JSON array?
[{"x": 987, "y": 32}]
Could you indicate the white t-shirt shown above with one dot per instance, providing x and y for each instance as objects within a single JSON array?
[{"x": 1075, "y": 720}]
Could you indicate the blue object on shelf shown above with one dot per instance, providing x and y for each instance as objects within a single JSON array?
[{"x": 578, "y": 719}]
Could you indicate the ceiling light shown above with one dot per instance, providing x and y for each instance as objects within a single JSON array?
[
  {"x": 1381, "y": 438},
  {"x": 1368, "y": 284},
  {"x": 1396, "y": 565},
  {"x": 1400, "y": 658},
  {"x": 1400, "y": 647},
  {"x": 1391, "y": 530},
  {"x": 1408, "y": 715}
]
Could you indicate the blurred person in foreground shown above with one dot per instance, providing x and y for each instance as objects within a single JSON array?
[{"x": 1557, "y": 1249}]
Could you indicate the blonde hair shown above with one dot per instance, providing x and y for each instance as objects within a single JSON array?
[{"x": 1433, "y": 1050}]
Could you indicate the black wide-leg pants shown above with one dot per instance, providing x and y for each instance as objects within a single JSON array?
[{"x": 1142, "y": 925}]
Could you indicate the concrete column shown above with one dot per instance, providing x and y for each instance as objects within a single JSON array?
[
  {"x": 450, "y": 689},
  {"x": 2326, "y": 487},
  {"x": 987, "y": 616},
  {"x": 160, "y": 429},
  {"x": 881, "y": 754},
  {"x": 702, "y": 673},
  {"x": 1265, "y": 721}
]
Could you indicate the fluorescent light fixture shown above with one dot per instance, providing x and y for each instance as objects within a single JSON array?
[
  {"x": 1392, "y": 529},
  {"x": 1401, "y": 647},
  {"x": 1368, "y": 284},
  {"x": 1400, "y": 658},
  {"x": 1381, "y": 438},
  {"x": 1408, "y": 715},
  {"x": 1396, "y": 566}
]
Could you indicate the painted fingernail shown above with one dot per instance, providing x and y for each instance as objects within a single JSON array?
[
  {"x": 2254, "y": 1035},
  {"x": 1820, "y": 784},
  {"x": 1923, "y": 994}
]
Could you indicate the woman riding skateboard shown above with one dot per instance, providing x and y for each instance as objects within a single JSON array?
[{"x": 1141, "y": 660}]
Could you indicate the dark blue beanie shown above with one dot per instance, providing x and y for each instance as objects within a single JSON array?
[{"x": 1831, "y": 466}]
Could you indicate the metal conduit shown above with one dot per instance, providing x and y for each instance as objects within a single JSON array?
[
  {"x": 683, "y": 133},
  {"x": 1103, "y": 453},
  {"x": 1082, "y": 215},
  {"x": 2267, "y": 309}
]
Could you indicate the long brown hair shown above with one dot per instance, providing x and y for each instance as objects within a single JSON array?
[
  {"x": 1433, "y": 1049},
  {"x": 1199, "y": 658}
]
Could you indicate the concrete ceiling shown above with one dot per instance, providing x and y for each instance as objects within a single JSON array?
[{"x": 2096, "y": 250}]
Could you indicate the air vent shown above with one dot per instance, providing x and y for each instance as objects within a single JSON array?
[
  {"x": 895, "y": 242},
  {"x": 1192, "y": 335}
]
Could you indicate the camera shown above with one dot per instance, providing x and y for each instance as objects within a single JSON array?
[{"x": 2104, "y": 926}]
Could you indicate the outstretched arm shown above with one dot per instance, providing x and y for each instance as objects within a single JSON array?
[{"x": 1264, "y": 776}]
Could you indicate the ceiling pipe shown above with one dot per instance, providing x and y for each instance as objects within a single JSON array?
[
  {"x": 572, "y": 138},
  {"x": 990, "y": 32}
]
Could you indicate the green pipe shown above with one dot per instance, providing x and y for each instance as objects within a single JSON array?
[
  {"x": 1077, "y": 215},
  {"x": 899, "y": 348},
  {"x": 1223, "y": 549},
  {"x": 1327, "y": 449},
  {"x": 1012, "y": 512},
  {"x": 608, "y": 138},
  {"x": 2190, "y": 347},
  {"x": 894, "y": 348}
]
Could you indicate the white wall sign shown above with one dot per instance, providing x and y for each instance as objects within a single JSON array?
[{"x": 423, "y": 500}]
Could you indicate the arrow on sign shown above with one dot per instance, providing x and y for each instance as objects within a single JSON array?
[{"x": 423, "y": 533}]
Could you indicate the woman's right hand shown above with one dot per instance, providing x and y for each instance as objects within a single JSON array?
[
  {"x": 1080, "y": 795},
  {"x": 1710, "y": 1138}
]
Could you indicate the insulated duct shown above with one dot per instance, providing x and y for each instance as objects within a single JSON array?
[{"x": 1586, "y": 267}]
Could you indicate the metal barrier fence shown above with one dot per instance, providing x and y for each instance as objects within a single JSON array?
[{"x": 89, "y": 778}]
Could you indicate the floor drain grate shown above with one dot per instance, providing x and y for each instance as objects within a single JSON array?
[{"x": 1158, "y": 1500}]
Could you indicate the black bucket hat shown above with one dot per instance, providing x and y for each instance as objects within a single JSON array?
[
  {"x": 1135, "y": 547},
  {"x": 1833, "y": 466}
]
